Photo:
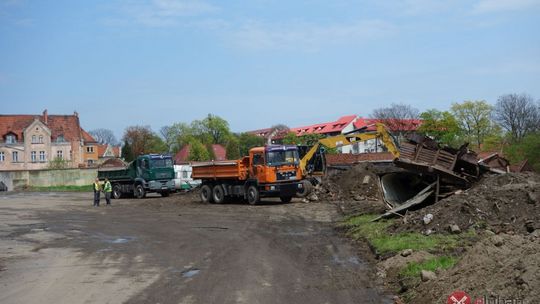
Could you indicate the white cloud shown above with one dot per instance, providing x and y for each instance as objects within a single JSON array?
[
  {"x": 165, "y": 12},
  {"x": 256, "y": 35},
  {"x": 485, "y": 6}
]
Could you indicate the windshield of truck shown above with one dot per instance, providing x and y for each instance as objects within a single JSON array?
[
  {"x": 279, "y": 158},
  {"x": 161, "y": 163}
]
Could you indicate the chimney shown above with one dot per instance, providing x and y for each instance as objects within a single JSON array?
[
  {"x": 75, "y": 113},
  {"x": 45, "y": 116}
]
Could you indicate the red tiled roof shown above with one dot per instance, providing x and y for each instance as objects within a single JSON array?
[
  {"x": 101, "y": 149},
  {"x": 60, "y": 125},
  {"x": 182, "y": 156},
  {"x": 87, "y": 137},
  {"x": 116, "y": 151},
  {"x": 323, "y": 128}
]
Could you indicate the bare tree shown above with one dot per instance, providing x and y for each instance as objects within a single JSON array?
[
  {"x": 104, "y": 136},
  {"x": 275, "y": 130},
  {"x": 518, "y": 114},
  {"x": 400, "y": 118}
]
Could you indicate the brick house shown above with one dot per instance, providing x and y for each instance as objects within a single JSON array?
[
  {"x": 106, "y": 151},
  {"x": 30, "y": 142}
]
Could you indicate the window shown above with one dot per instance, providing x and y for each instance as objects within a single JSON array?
[
  {"x": 60, "y": 154},
  {"x": 90, "y": 162},
  {"x": 15, "y": 156},
  {"x": 41, "y": 156},
  {"x": 60, "y": 139},
  {"x": 2, "y": 156},
  {"x": 34, "y": 139},
  {"x": 258, "y": 159},
  {"x": 184, "y": 174},
  {"x": 41, "y": 139},
  {"x": 90, "y": 149},
  {"x": 33, "y": 156},
  {"x": 11, "y": 139}
]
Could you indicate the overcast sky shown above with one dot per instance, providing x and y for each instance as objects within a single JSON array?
[{"x": 260, "y": 62}]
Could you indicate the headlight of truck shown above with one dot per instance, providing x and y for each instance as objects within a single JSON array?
[{"x": 272, "y": 187}]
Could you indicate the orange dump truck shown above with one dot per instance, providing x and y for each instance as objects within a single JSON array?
[{"x": 270, "y": 171}]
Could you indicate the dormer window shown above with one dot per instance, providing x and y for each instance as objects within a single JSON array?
[
  {"x": 60, "y": 139},
  {"x": 11, "y": 139}
]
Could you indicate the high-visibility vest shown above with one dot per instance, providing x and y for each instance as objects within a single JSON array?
[
  {"x": 107, "y": 187},
  {"x": 96, "y": 186}
]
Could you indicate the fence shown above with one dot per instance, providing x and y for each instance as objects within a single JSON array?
[{"x": 16, "y": 180}]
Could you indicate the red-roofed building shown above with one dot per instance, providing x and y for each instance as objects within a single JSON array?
[
  {"x": 29, "y": 142},
  {"x": 182, "y": 156},
  {"x": 343, "y": 125},
  {"x": 106, "y": 152}
]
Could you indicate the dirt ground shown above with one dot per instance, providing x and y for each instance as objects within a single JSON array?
[{"x": 57, "y": 248}]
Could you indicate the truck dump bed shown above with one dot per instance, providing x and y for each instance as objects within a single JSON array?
[
  {"x": 231, "y": 169},
  {"x": 115, "y": 173}
]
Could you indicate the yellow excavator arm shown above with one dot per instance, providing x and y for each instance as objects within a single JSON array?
[{"x": 348, "y": 139}]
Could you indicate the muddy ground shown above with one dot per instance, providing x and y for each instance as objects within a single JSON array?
[{"x": 57, "y": 248}]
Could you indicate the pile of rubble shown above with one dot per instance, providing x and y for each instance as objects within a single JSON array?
[{"x": 508, "y": 203}]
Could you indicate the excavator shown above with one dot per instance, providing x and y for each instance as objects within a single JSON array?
[{"x": 312, "y": 162}]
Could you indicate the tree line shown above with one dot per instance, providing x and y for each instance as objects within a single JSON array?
[{"x": 510, "y": 126}]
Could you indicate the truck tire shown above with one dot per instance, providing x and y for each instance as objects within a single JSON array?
[
  {"x": 139, "y": 191},
  {"x": 206, "y": 194},
  {"x": 306, "y": 189},
  {"x": 117, "y": 191},
  {"x": 218, "y": 194},
  {"x": 285, "y": 199},
  {"x": 253, "y": 196}
]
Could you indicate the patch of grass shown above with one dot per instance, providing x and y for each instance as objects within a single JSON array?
[
  {"x": 383, "y": 242},
  {"x": 413, "y": 269},
  {"x": 85, "y": 188}
]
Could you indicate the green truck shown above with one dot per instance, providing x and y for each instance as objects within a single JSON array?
[{"x": 148, "y": 173}]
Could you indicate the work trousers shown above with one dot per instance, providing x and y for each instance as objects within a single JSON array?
[
  {"x": 108, "y": 197},
  {"x": 96, "y": 198}
]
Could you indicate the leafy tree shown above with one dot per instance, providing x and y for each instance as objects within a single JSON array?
[
  {"x": 518, "y": 114},
  {"x": 290, "y": 139},
  {"x": 142, "y": 140},
  {"x": 233, "y": 148},
  {"x": 246, "y": 141},
  {"x": 528, "y": 148},
  {"x": 104, "y": 136},
  {"x": 198, "y": 151},
  {"x": 216, "y": 128},
  {"x": 474, "y": 118},
  {"x": 441, "y": 126},
  {"x": 127, "y": 152}
]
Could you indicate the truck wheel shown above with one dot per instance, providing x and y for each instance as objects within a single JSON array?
[
  {"x": 218, "y": 194},
  {"x": 305, "y": 190},
  {"x": 285, "y": 199},
  {"x": 206, "y": 194},
  {"x": 139, "y": 191},
  {"x": 253, "y": 195},
  {"x": 117, "y": 191}
]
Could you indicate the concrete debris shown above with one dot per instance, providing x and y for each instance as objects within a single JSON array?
[
  {"x": 427, "y": 275},
  {"x": 454, "y": 228},
  {"x": 406, "y": 252},
  {"x": 428, "y": 218}
]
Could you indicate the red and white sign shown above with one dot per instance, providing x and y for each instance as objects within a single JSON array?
[{"x": 459, "y": 297}]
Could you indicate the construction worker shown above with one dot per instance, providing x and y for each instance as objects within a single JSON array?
[
  {"x": 107, "y": 189},
  {"x": 97, "y": 190}
]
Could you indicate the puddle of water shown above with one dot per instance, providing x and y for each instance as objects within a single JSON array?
[
  {"x": 190, "y": 273},
  {"x": 120, "y": 240}
]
